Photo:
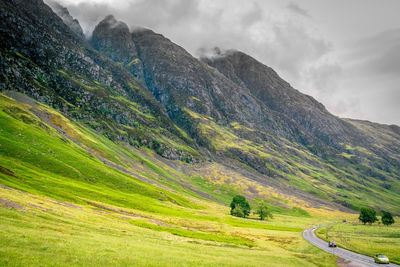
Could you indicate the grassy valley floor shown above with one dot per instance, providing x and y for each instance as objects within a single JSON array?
[{"x": 37, "y": 230}]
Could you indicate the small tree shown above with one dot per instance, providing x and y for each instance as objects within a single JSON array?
[
  {"x": 242, "y": 203},
  {"x": 238, "y": 211},
  {"x": 263, "y": 211},
  {"x": 368, "y": 215},
  {"x": 387, "y": 218}
]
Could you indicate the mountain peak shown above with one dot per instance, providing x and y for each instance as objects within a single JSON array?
[
  {"x": 110, "y": 17},
  {"x": 112, "y": 23},
  {"x": 64, "y": 14},
  {"x": 111, "y": 34},
  {"x": 113, "y": 38}
]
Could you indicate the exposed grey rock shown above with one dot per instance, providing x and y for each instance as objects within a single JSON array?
[
  {"x": 266, "y": 85},
  {"x": 178, "y": 81},
  {"x": 64, "y": 14},
  {"x": 41, "y": 57},
  {"x": 114, "y": 40}
]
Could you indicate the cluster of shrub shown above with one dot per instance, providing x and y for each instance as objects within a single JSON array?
[
  {"x": 368, "y": 215},
  {"x": 240, "y": 207}
]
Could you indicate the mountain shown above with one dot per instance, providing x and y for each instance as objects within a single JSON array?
[
  {"x": 126, "y": 149},
  {"x": 266, "y": 85},
  {"x": 179, "y": 81},
  {"x": 64, "y": 14},
  {"x": 251, "y": 105},
  {"x": 61, "y": 69},
  {"x": 141, "y": 89},
  {"x": 114, "y": 40}
]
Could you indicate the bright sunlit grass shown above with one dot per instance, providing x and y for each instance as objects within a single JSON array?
[
  {"x": 73, "y": 210},
  {"x": 48, "y": 232}
]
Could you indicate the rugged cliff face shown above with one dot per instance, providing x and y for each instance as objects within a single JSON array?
[
  {"x": 43, "y": 58},
  {"x": 114, "y": 40},
  {"x": 140, "y": 88},
  {"x": 180, "y": 81},
  {"x": 63, "y": 13},
  {"x": 239, "y": 90},
  {"x": 266, "y": 85}
]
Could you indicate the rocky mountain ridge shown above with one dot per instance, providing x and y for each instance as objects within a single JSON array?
[
  {"x": 64, "y": 14},
  {"x": 142, "y": 89},
  {"x": 266, "y": 85}
]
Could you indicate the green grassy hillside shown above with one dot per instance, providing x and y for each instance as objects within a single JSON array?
[
  {"x": 61, "y": 205},
  {"x": 37, "y": 230},
  {"x": 340, "y": 181}
]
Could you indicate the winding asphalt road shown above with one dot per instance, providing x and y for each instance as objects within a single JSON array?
[{"x": 352, "y": 258}]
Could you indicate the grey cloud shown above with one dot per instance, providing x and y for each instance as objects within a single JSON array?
[
  {"x": 297, "y": 9},
  {"x": 378, "y": 55},
  {"x": 155, "y": 12},
  {"x": 293, "y": 48},
  {"x": 323, "y": 78},
  {"x": 210, "y": 52},
  {"x": 284, "y": 45},
  {"x": 371, "y": 72},
  {"x": 345, "y": 106},
  {"x": 89, "y": 15},
  {"x": 150, "y": 13},
  {"x": 254, "y": 16}
]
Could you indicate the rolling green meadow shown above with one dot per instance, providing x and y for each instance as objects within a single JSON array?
[
  {"x": 37, "y": 230},
  {"x": 61, "y": 205}
]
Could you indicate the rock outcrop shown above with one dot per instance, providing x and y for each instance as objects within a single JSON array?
[
  {"x": 114, "y": 40},
  {"x": 64, "y": 14}
]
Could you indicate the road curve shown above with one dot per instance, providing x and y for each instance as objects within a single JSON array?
[{"x": 355, "y": 258}]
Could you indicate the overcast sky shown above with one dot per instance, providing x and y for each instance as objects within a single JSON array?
[{"x": 345, "y": 53}]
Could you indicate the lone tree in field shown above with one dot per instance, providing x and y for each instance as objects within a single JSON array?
[
  {"x": 368, "y": 215},
  {"x": 263, "y": 211},
  {"x": 387, "y": 218},
  {"x": 240, "y": 203},
  {"x": 238, "y": 211}
]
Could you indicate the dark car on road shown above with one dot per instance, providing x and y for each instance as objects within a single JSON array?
[{"x": 332, "y": 244}]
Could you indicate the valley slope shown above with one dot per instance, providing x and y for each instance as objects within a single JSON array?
[{"x": 127, "y": 137}]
